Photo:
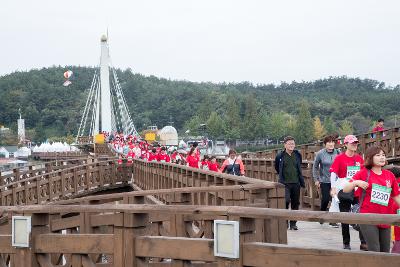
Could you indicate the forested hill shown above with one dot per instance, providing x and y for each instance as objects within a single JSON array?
[{"x": 240, "y": 110}]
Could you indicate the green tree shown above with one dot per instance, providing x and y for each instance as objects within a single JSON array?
[
  {"x": 193, "y": 125},
  {"x": 345, "y": 128},
  {"x": 280, "y": 124},
  {"x": 329, "y": 125},
  {"x": 232, "y": 113},
  {"x": 304, "y": 124},
  {"x": 215, "y": 125},
  {"x": 251, "y": 118},
  {"x": 232, "y": 117},
  {"x": 40, "y": 134},
  {"x": 262, "y": 125},
  {"x": 319, "y": 130}
]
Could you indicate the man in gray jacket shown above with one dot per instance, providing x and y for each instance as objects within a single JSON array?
[{"x": 321, "y": 174}]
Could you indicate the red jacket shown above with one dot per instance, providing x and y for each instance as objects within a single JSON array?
[
  {"x": 213, "y": 167},
  {"x": 163, "y": 157},
  {"x": 192, "y": 161},
  {"x": 152, "y": 157}
]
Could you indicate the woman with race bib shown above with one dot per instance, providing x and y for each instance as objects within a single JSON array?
[
  {"x": 343, "y": 168},
  {"x": 377, "y": 188}
]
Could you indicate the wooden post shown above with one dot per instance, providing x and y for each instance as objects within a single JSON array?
[
  {"x": 135, "y": 224},
  {"x": 16, "y": 174}
]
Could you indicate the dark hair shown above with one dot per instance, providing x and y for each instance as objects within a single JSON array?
[
  {"x": 329, "y": 138},
  {"x": 206, "y": 157},
  {"x": 195, "y": 144},
  {"x": 335, "y": 135},
  {"x": 213, "y": 157},
  {"x": 154, "y": 150},
  {"x": 394, "y": 169},
  {"x": 232, "y": 151},
  {"x": 369, "y": 155},
  {"x": 163, "y": 148},
  {"x": 191, "y": 151},
  {"x": 381, "y": 120},
  {"x": 288, "y": 138}
]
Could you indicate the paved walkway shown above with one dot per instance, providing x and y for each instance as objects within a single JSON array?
[{"x": 315, "y": 235}]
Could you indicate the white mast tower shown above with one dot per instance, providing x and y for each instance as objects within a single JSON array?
[
  {"x": 104, "y": 119},
  {"x": 106, "y": 108}
]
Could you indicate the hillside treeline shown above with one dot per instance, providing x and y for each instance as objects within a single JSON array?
[{"x": 306, "y": 110}]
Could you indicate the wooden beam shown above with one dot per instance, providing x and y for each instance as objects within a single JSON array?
[
  {"x": 250, "y": 212},
  {"x": 179, "y": 248},
  {"x": 265, "y": 255},
  {"x": 64, "y": 223},
  {"x": 5, "y": 245},
  {"x": 74, "y": 243}
]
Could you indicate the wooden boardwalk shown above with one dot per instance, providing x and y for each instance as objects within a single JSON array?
[{"x": 315, "y": 235}]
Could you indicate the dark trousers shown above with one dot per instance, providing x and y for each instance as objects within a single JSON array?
[
  {"x": 325, "y": 195},
  {"x": 345, "y": 206},
  {"x": 378, "y": 239},
  {"x": 292, "y": 197}
]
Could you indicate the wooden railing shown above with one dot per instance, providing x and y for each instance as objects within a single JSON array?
[
  {"x": 40, "y": 168},
  {"x": 62, "y": 183},
  {"x": 159, "y": 235},
  {"x": 85, "y": 140},
  {"x": 58, "y": 155},
  {"x": 264, "y": 169},
  {"x": 388, "y": 139}
]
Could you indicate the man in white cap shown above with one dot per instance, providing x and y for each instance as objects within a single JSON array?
[{"x": 343, "y": 168}]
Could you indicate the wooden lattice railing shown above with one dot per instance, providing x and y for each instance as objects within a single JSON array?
[
  {"x": 18, "y": 174},
  {"x": 160, "y": 235},
  {"x": 388, "y": 139},
  {"x": 62, "y": 183}
]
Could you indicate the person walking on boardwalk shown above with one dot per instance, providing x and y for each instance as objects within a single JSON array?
[
  {"x": 288, "y": 167},
  {"x": 233, "y": 164},
  {"x": 378, "y": 128},
  {"x": 321, "y": 175},
  {"x": 213, "y": 164},
  {"x": 343, "y": 168},
  {"x": 376, "y": 189},
  {"x": 192, "y": 159}
]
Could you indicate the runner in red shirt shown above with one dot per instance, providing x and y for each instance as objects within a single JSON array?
[
  {"x": 173, "y": 156},
  {"x": 377, "y": 186},
  {"x": 195, "y": 145},
  {"x": 205, "y": 163},
  {"x": 152, "y": 155},
  {"x": 379, "y": 126},
  {"x": 192, "y": 159},
  {"x": 343, "y": 168},
  {"x": 163, "y": 156},
  {"x": 213, "y": 164}
]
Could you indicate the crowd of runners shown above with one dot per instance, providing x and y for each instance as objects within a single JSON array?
[
  {"x": 347, "y": 181},
  {"x": 130, "y": 147}
]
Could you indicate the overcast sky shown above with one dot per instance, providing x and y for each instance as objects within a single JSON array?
[{"x": 208, "y": 40}]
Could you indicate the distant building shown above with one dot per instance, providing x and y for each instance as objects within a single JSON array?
[{"x": 8, "y": 151}]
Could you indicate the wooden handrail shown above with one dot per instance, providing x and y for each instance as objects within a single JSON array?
[
  {"x": 390, "y": 143},
  {"x": 249, "y": 212}
]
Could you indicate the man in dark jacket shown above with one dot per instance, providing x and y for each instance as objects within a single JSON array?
[{"x": 288, "y": 166}]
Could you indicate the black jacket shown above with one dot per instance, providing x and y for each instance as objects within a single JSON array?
[{"x": 279, "y": 167}]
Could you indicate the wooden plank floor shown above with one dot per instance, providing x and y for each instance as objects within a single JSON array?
[{"x": 315, "y": 235}]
